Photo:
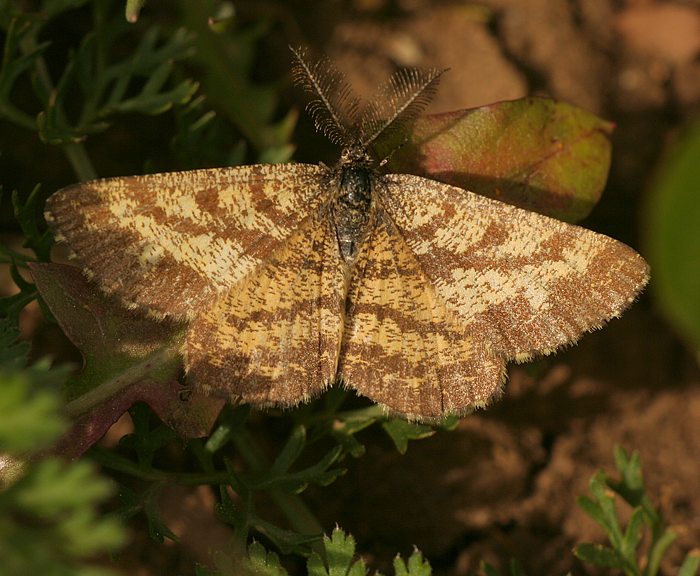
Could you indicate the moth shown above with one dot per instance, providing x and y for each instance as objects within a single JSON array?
[{"x": 292, "y": 277}]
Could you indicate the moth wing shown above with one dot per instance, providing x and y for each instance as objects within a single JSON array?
[
  {"x": 524, "y": 282},
  {"x": 401, "y": 347},
  {"x": 274, "y": 338},
  {"x": 170, "y": 243}
]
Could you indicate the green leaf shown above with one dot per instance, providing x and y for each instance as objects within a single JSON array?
[
  {"x": 599, "y": 555},
  {"x": 236, "y": 513},
  {"x": 673, "y": 221},
  {"x": 631, "y": 486},
  {"x": 291, "y": 451},
  {"x": 15, "y": 62},
  {"x": 296, "y": 482},
  {"x": 149, "y": 436},
  {"x": 344, "y": 428},
  {"x": 29, "y": 418},
  {"x": 536, "y": 153},
  {"x": 340, "y": 553},
  {"x": 51, "y": 489},
  {"x": 263, "y": 563},
  {"x": 111, "y": 338},
  {"x": 132, "y": 10},
  {"x": 154, "y": 103},
  {"x": 401, "y": 431},
  {"x": 12, "y": 306},
  {"x": 691, "y": 564},
  {"x": 315, "y": 566},
  {"x": 624, "y": 546},
  {"x": 288, "y": 541},
  {"x": 663, "y": 538},
  {"x": 203, "y": 138},
  {"x": 138, "y": 83},
  {"x": 416, "y": 566},
  {"x": 49, "y": 519},
  {"x": 633, "y": 533},
  {"x": 129, "y": 358},
  {"x": 605, "y": 501}
]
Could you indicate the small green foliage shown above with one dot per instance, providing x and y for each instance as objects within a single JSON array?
[
  {"x": 97, "y": 81},
  {"x": 691, "y": 564},
  {"x": 49, "y": 518},
  {"x": 107, "y": 86},
  {"x": 30, "y": 418},
  {"x": 336, "y": 557},
  {"x": 50, "y": 522},
  {"x": 401, "y": 432},
  {"x": 416, "y": 565},
  {"x": 623, "y": 551},
  {"x": 149, "y": 436},
  {"x": 263, "y": 562},
  {"x": 132, "y": 10},
  {"x": 12, "y": 306},
  {"x": 340, "y": 557},
  {"x": 29, "y": 403}
]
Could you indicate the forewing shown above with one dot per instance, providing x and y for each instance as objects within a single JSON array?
[
  {"x": 274, "y": 338},
  {"x": 400, "y": 346},
  {"x": 525, "y": 283},
  {"x": 171, "y": 242}
]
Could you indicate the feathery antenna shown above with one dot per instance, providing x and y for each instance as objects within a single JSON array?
[
  {"x": 398, "y": 102},
  {"x": 334, "y": 108}
]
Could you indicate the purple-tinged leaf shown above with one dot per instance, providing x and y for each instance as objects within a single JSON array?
[
  {"x": 190, "y": 415},
  {"x": 128, "y": 358}
]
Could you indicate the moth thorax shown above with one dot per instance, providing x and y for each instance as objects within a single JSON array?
[{"x": 352, "y": 207}]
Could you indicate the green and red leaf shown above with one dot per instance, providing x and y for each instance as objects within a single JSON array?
[{"x": 536, "y": 153}]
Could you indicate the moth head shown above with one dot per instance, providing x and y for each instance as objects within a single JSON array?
[{"x": 356, "y": 154}]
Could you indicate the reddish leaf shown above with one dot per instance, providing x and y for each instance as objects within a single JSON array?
[
  {"x": 535, "y": 153},
  {"x": 128, "y": 358},
  {"x": 110, "y": 337},
  {"x": 190, "y": 415}
]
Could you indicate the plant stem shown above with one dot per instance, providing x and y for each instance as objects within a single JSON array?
[
  {"x": 136, "y": 373},
  {"x": 297, "y": 513},
  {"x": 79, "y": 161}
]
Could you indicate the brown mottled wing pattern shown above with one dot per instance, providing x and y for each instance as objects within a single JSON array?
[
  {"x": 400, "y": 345},
  {"x": 523, "y": 282},
  {"x": 274, "y": 338},
  {"x": 170, "y": 243}
]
